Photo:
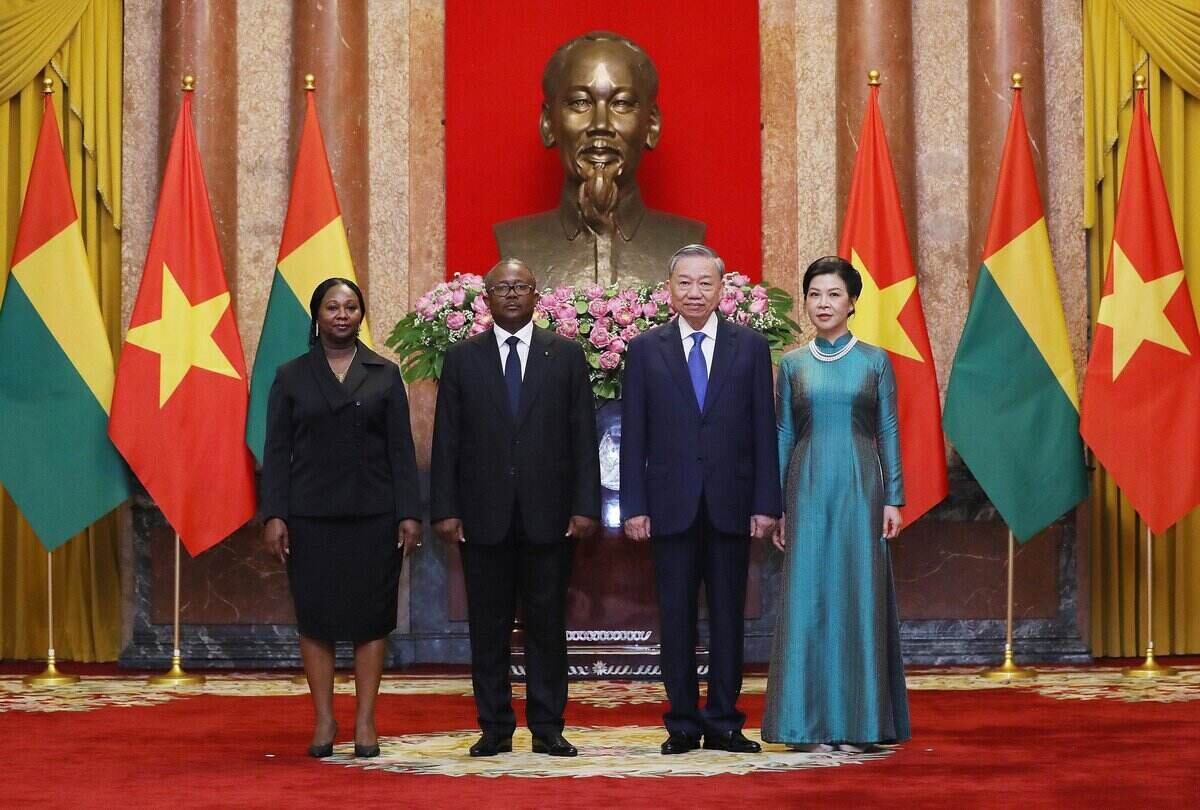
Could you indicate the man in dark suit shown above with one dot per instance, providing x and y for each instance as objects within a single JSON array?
[
  {"x": 699, "y": 475},
  {"x": 515, "y": 480}
]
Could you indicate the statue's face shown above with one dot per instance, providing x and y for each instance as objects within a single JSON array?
[{"x": 602, "y": 115}]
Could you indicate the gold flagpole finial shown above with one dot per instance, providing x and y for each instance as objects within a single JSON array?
[
  {"x": 189, "y": 83},
  {"x": 47, "y": 85},
  {"x": 1018, "y": 81},
  {"x": 310, "y": 81},
  {"x": 873, "y": 78},
  {"x": 1139, "y": 82}
]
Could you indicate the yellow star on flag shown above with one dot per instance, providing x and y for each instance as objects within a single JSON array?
[
  {"x": 1134, "y": 310},
  {"x": 182, "y": 337},
  {"x": 877, "y": 312}
]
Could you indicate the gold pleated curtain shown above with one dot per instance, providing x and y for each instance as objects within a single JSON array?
[
  {"x": 78, "y": 44},
  {"x": 1160, "y": 39}
]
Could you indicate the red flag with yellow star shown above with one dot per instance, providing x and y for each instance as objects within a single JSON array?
[
  {"x": 888, "y": 314},
  {"x": 179, "y": 405},
  {"x": 1141, "y": 391}
]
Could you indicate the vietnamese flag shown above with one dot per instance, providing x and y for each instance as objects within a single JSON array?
[
  {"x": 888, "y": 313},
  {"x": 312, "y": 249},
  {"x": 1141, "y": 390},
  {"x": 179, "y": 408}
]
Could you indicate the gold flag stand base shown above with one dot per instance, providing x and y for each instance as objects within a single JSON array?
[
  {"x": 1149, "y": 668},
  {"x": 338, "y": 678},
  {"x": 1008, "y": 671},
  {"x": 175, "y": 676},
  {"x": 50, "y": 676}
]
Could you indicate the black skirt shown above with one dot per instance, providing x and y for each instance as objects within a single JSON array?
[{"x": 345, "y": 574}]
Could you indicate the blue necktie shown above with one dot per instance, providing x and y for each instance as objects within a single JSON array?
[
  {"x": 512, "y": 374},
  {"x": 697, "y": 370}
]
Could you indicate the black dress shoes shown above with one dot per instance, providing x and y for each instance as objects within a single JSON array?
[
  {"x": 555, "y": 745},
  {"x": 366, "y": 751},
  {"x": 491, "y": 744},
  {"x": 734, "y": 741},
  {"x": 321, "y": 751},
  {"x": 679, "y": 744}
]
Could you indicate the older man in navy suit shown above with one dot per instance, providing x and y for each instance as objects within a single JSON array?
[{"x": 699, "y": 478}]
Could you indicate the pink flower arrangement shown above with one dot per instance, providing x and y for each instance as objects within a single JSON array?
[{"x": 601, "y": 320}]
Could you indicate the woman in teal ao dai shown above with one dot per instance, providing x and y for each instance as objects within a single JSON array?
[{"x": 837, "y": 678}]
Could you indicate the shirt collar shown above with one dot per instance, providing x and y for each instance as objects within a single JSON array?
[
  {"x": 524, "y": 334},
  {"x": 630, "y": 213},
  {"x": 709, "y": 329}
]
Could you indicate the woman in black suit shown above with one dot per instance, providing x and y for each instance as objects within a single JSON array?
[{"x": 340, "y": 501}]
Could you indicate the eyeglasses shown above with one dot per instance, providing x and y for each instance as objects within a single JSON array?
[{"x": 504, "y": 289}]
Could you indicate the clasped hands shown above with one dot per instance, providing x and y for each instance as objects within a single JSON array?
[
  {"x": 638, "y": 528},
  {"x": 579, "y": 527}
]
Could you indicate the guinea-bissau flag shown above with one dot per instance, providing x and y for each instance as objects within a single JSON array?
[
  {"x": 312, "y": 249},
  {"x": 1141, "y": 390},
  {"x": 888, "y": 314},
  {"x": 1012, "y": 408},
  {"x": 56, "y": 378},
  {"x": 179, "y": 409}
]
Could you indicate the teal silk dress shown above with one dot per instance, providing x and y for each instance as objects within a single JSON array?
[{"x": 836, "y": 672}]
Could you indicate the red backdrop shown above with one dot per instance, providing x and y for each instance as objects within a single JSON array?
[{"x": 707, "y": 165}]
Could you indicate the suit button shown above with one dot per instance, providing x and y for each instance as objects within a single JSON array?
[{"x": 512, "y": 472}]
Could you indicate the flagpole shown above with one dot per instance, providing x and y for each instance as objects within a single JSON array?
[
  {"x": 1009, "y": 671},
  {"x": 50, "y": 676},
  {"x": 1149, "y": 668},
  {"x": 175, "y": 676}
]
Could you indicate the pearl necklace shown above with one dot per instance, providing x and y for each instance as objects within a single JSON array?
[{"x": 838, "y": 355}]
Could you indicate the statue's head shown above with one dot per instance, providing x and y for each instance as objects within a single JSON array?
[{"x": 600, "y": 106}]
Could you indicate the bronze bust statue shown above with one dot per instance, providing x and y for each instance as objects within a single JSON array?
[{"x": 600, "y": 110}]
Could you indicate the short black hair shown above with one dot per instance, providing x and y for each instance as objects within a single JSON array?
[
  {"x": 318, "y": 296},
  {"x": 839, "y": 267}
]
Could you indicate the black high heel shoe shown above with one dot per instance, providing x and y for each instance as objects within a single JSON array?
[
  {"x": 366, "y": 751},
  {"x": 321, "y": 751}
]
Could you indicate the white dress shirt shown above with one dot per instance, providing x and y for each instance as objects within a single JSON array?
[
  {"x": 524, "y": 335},
  {"x": 707, "y": 345}
]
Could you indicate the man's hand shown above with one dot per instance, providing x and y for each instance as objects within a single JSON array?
[
  {"x": 408, "y": 535},
  {"x": 779, "y": 538},
  {"x": 450, "y": 530},
  {"x": 761, "y": 526},
  {"x": 892, "y": 522},
  {"x": 638, "y": 528},
  {"x": 275, "y": 533},
  {"x": 581, "y": 528}
]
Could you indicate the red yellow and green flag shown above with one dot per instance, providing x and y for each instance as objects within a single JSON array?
[
  {"x": 888, "y": 314},
  {"x": 56, "y": 379},
  {"x": 1141, "y": 391},
  {"x": 312, "y": 249},
  {"x": 1012, "y": 407},
  {"x": 179, "y": 409}
]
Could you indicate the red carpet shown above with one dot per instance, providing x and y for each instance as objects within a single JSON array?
[{"x": 1081, "y": 738}]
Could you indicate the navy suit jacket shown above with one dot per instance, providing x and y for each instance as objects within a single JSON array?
[{"x": 672, "y": 451}]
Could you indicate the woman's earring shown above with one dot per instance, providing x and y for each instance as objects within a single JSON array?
[{"x": 316, "y": 330}]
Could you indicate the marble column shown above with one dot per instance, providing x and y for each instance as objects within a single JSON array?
[
  {"x": 876, "y": 35},
  {"x": 199, "y": 37},
  {"x": 777, "y": 48},
  {"x": 1005, "y": 38},
  {"x": 329, "y": 40}
]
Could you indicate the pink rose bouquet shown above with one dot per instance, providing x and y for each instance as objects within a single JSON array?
[{"x": 601, "y": 320}]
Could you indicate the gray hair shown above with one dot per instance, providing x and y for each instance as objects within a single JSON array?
[{"x": 696, "y": 250}]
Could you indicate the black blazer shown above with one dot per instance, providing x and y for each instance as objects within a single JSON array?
[
  {"x": 339, "y": 449},
  {"x": 672, "y": 450},
  {"x": 485, "y": 459}
]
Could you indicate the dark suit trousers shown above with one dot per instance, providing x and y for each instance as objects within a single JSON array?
[
  {"x": 681, "y": 562},
  {"x": 496, "y": 576}
]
